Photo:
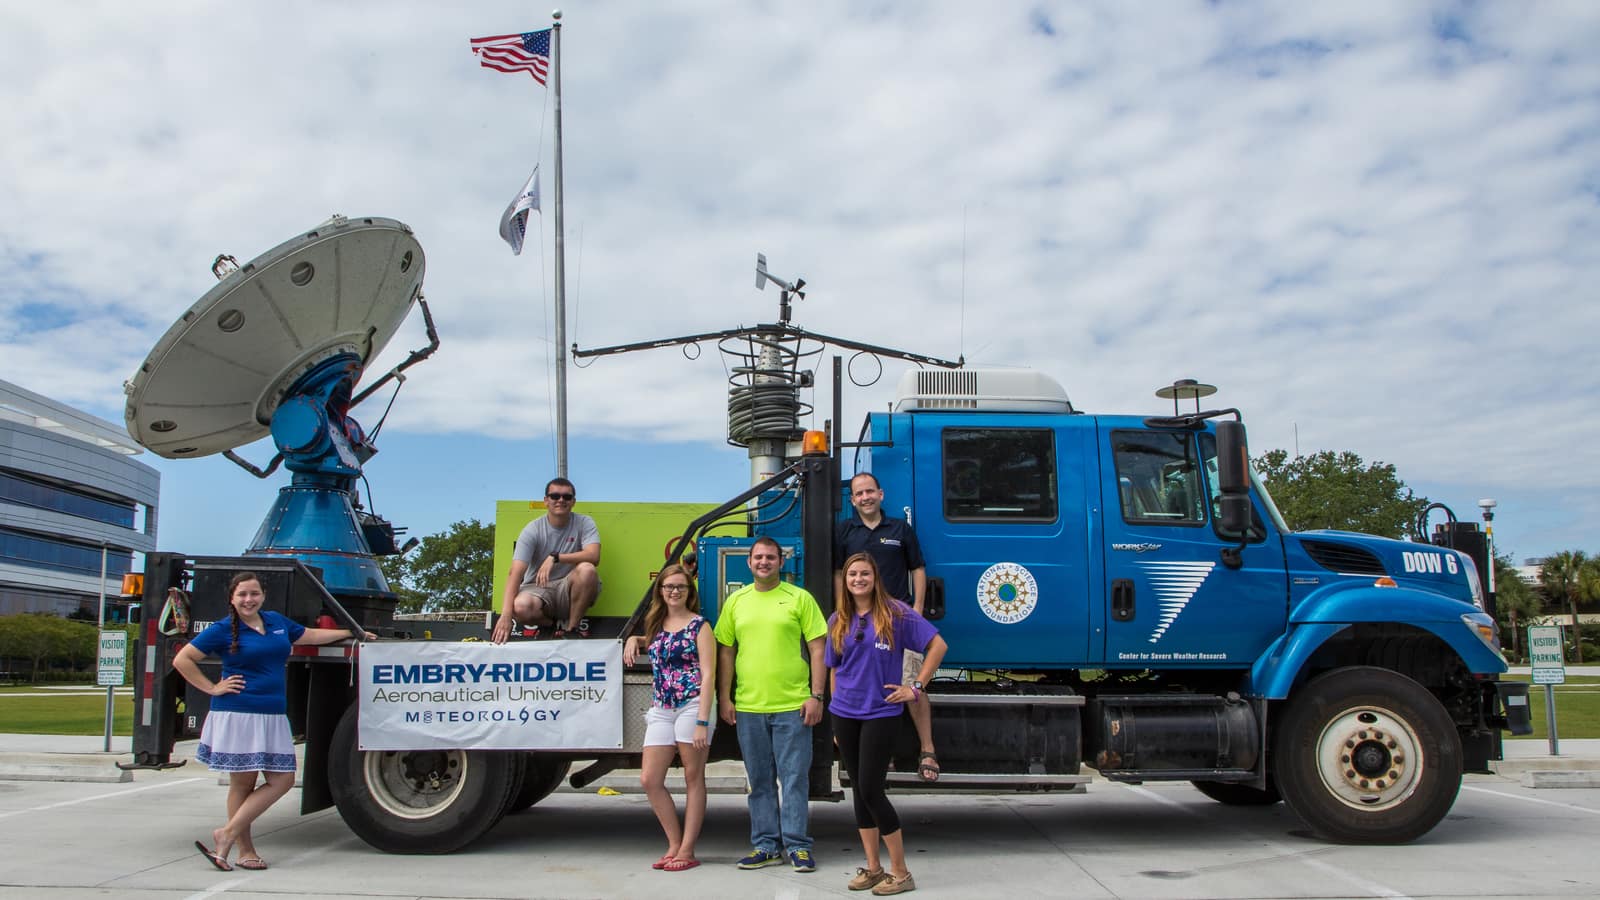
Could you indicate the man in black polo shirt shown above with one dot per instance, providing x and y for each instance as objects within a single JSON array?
[{"x": 893, "y": 546}]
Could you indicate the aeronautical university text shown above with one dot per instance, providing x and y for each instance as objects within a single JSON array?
[
  {"x": 498, "y": 673},
  {"x": 490, "y": 682}
]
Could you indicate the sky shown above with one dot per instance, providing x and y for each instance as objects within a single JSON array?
[{"x": 1373, "y": 225}]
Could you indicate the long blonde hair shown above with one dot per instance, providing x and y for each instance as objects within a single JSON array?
[
  {"x": 657, "y": 614},
  {"x": 882, "y": 610}
]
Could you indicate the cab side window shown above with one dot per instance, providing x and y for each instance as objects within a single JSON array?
[
  {"x": 999, "y": 474},
  {"x": 1158, "y": 478}
]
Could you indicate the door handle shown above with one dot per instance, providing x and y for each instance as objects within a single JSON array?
[{"x": 1122, "y": 600}]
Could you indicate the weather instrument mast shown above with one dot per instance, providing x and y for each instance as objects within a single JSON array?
[{"x": 765, "y": 375}]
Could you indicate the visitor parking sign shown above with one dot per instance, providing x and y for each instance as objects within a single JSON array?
[
  {"x": 113, "y": 659},
  {"x": 1544, "y": 654}
]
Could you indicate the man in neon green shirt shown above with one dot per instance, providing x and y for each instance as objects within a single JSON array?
[{"x": 760, "y": 632}]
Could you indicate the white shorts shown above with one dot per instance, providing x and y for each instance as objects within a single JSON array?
[{"x": 666, "y": 727}]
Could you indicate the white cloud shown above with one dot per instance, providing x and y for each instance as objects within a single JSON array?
[{"x": 1343, "y": 219}]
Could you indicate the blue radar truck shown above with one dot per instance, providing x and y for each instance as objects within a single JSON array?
[{"x": 1118, "y": 591}]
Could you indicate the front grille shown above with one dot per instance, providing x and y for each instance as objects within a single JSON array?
[{"x": 1343, "y": 558}]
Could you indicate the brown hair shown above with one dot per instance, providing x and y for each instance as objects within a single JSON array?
[
  {"x": 233, "y": 611},
  {"x": 657, "y": 615},
  {"x": 882, "y": 611}
]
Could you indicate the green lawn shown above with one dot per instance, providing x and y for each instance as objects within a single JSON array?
[
  {"x": 67, "y": 714},
  {"x": 1577, "y": 707}
]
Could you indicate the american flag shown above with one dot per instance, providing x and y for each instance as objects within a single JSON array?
[{"x": 528, "y": 52}]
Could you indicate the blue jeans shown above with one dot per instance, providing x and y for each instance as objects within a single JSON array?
[{"x": 777, "y": 750}]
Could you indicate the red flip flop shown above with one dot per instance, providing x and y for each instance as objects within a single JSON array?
[
  {"x": 662, "y": 862},
  {"x": 221, "y": 864},
  {"x": 680, "y": 865}
]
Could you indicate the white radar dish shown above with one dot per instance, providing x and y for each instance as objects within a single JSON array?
[{"x": 215, "y": 378}]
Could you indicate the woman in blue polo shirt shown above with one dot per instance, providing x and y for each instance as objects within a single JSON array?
[
  {"x": 247, "y": 730},
  {"x": 868, "y": 635}
]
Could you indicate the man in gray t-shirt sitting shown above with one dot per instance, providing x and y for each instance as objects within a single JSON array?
[{"x": 553, "y": 579}]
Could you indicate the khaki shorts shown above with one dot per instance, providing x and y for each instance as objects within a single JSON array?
[{"x": 555, "y": 597}]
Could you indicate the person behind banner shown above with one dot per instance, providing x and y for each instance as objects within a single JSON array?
[
  {"x": 247, "y": 729},
  {"x": 771, "y": 633},
  {"x": 683, "y": 657},
  {"x": 553, "y": 579},
  {"x": 868, "y": 635}
]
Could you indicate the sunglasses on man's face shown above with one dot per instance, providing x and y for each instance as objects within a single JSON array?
[{"x": 568, "y": 498}]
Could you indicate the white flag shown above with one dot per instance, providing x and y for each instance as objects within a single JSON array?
[{"x": 514, "y": 223}]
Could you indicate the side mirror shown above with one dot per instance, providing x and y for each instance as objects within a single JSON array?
[
  {"x": 1234, "y": 511},
  {"x": 1233, "y": 459}
]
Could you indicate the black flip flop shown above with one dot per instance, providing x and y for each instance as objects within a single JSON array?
[{"x": 221, "y": 864}]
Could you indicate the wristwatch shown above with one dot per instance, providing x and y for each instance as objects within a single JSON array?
[
  {"x": 555, "y": 557},
  {"x": 917, "y": 685},
  {"x": 816, "y": 696}
]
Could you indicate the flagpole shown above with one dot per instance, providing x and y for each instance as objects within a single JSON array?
[{"x": 561, "y": 267}]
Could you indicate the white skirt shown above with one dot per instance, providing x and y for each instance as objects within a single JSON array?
[{"x": 246, "y": 742}]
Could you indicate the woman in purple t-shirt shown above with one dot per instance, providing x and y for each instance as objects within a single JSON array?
[
  {"x": 683, "y": 657},
  {"x": 868, "y": 635},
  {"x": 247, "y": 730}
]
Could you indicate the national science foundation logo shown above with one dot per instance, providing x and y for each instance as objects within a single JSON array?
[{"x": 1007, "y": 593}]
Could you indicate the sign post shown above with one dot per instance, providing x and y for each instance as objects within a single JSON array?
[
  {"x": 112, "y": 669},
  {"x": 1544, "y": 655}
]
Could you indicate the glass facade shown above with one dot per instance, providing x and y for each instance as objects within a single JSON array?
[
  {"x": 23, "y": 549},
  {"x": 41, "y": 495}
]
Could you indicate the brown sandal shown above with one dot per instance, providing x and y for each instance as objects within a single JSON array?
[{"x": 928, "y": 767}]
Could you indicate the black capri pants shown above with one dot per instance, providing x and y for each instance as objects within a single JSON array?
[{"x": 865, "y": 745}]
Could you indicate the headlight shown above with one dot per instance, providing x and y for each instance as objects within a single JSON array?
[{"x": 1483, "y": 625}]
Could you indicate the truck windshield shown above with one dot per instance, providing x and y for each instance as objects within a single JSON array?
[{"x": 1208, "y": 453}]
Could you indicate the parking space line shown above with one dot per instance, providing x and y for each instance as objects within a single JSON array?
[
  {"x": 148, "y": 787},
  {"x": 1582, "y": 809},
  {"x": 1371, "y": 887}
]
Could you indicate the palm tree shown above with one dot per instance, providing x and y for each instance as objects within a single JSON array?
[
  {"x": 1561, "y": 578},
  {"x": 1514, "y": 600}
]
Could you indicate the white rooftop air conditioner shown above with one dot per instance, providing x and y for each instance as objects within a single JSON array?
[{"x": 994, "y": 390}]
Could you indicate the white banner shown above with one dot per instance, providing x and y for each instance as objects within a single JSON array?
[{"x": 549, "y": 695}]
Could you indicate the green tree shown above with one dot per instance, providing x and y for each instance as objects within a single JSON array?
[
  {"x": 397, "y": 571},
  {"x": 40, "y": 638},
  {"x": 1515, "y": 602},
  {"x": 1561, "y": 580},
  {"x": 1339, "y": 490},
  {"x": 452, "y": 570}
]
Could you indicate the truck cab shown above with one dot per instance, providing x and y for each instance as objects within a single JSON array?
[{"x": 1088, "y": 553}]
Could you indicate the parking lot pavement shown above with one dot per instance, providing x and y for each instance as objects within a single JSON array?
[{"x": 1116, "y": 841}]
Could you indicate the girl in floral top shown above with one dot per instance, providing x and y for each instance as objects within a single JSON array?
[{"x": 683, "y": 657}]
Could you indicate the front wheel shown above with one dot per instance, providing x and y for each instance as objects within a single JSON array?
[
  {"x": 416, "y": 801},
  {"x": 1367, "y": 756}
]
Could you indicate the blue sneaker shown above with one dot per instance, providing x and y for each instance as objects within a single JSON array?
[
  {"x": 802, "y": 861},
  {"x": 759, "y": 857}
]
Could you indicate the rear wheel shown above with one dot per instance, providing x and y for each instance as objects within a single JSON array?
[
  {"x": 417, "y": 801},
  {"x": 541, "y": 775},
  {"x": 1235, "y": 794},
  {"x": 1367, "y": 756}
]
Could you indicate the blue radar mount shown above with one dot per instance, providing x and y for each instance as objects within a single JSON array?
[{"x": 277, "y": 348}]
